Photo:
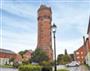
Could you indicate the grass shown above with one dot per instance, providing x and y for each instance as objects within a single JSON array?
[
  {"x": 62, "y": 70},
  {"x": 6, "y": 66},
  {"x": 87, "y": 66}
]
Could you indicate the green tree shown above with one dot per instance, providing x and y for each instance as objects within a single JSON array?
[
  {"x": 11, "y": 59},
  {"x": 72, "y": 57},
  {"x": 39, "y": 56},
  {"x": 66, "y": 52},
  {"x": 22, "y": 52},
  {"x": 64, "y": 58},
  {"x": 59, "y": 58}
]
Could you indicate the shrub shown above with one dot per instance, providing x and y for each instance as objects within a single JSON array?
[
  {"x": 30, "y": 68},
  {"x": 16, "y": 65},
  {"x": 46, "y": 68},
  {"x": 63, "y": 70}
]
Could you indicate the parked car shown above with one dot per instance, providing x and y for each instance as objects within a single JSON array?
[{"x": 73, "y": 64}]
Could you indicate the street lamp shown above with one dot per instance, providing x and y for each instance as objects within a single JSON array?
[{"x": 54, "y": 31}]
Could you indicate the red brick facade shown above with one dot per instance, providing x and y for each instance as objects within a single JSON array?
[
  {"x": 44, "y": 30},
  {"x": 7, "y": 55},
  {"x": 80, "y": 55}
]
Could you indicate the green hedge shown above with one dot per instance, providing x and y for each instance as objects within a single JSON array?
[
  {"x": 47, "y": 68},
  {"x": 63, "y": 70},
  {"x": 30, "y": 68},
  {"x": 6, "y": 66}
]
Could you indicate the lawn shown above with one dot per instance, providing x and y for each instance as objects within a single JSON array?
[{"x": 6, "y": 66}]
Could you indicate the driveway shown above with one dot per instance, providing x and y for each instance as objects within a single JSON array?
[
  {"x": 80, "y": 68},
  {"x": 8, "y": 69}
]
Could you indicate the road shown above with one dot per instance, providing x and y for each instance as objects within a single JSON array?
[
  {"x": 80, "y": 68},
  {"x": 8, "y": 69}
]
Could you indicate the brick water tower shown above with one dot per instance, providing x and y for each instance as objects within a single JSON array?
[{"x": 44, "y": 30}]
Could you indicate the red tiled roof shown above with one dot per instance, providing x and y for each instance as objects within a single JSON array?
[{"x": 6, "y": 51}]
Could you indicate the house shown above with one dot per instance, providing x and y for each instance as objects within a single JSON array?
[
  {"x": 18, "y": 59},
  {"x": 6, "y": 55},
  {"x": 88, "y": 45},
  {"x": 80, "y": 55},
  {"x": 27, "y": 55}
]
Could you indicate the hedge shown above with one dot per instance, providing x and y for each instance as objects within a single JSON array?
[
  {"x": 30, "y": 68},
  {"x": 63, "y": 70},
  {"x": 47, "y": 68}
]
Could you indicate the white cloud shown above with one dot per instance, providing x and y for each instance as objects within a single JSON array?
[
  {"x": 70, "y": 45},
  {"x": 65, "y": 15},
  {"x": 18, "y": 42},
  {"x": 19, "y": 8}
]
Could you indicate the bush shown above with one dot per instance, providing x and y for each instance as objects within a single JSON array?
[
  {"x": 63, "y": 70},
  {"x": 30, "y": 68},
  {"x": 16, "y": 65},
  {"x": 46, "y": 68},
  {"x": 87, "y": 66}
]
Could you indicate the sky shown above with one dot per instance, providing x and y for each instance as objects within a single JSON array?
[{"x": 18, "y": 23}]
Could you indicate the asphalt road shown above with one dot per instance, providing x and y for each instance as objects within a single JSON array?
[
  {"x": 8, "y": 69},
  {"x": 80, "y": 68}
]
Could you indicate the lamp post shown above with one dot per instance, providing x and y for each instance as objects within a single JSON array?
[{"x": 54, "y": 37}]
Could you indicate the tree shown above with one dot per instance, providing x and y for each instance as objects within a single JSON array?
[
  {"x": 22, "y": 52},
  {"x": 72, "y": 57},
  {"x": 66, "y": 52},
  {"x": 11, "y": 59},
  {"x": 64, "y": 58},
  {"x": 59, "y": 58},
  {"x": 39, "y": 56}
]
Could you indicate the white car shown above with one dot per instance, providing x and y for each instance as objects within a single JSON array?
[{"x": 72, "y": 64}]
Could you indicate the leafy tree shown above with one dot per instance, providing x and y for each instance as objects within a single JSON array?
[
  {"x": 66, "y": 52},
  {"x": 11, "y": 59},
  {"x": 59, "y": 58},
  {"x": 22, "y": 52},
  {"x": 64, "y": 58},
  {"x": 72, "y": 57},
  {"x": 39, "y": 56}
]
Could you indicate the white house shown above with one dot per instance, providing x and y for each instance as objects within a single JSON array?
[
  {"x": 88, "y": 58},
  {"x": 88, "y": 45}
]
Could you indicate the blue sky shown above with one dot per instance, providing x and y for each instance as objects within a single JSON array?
[{"x": 19, "y": 23}]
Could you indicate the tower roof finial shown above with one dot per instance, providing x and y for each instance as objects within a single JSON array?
[{"x": 44, "y": 7}]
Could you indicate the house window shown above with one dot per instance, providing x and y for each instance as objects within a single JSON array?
[
  {"x": 81, "y": 52},
  {"x": 77, "y": 53},
  {"x": 82, "y": 57},
  {"x": 78, "y": 57}
]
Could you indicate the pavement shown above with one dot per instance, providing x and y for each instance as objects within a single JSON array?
[
  {"x": 84, "y": 68},
  {"x": 80, "y": 68},
  {"x": 8, "y": 69}
]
